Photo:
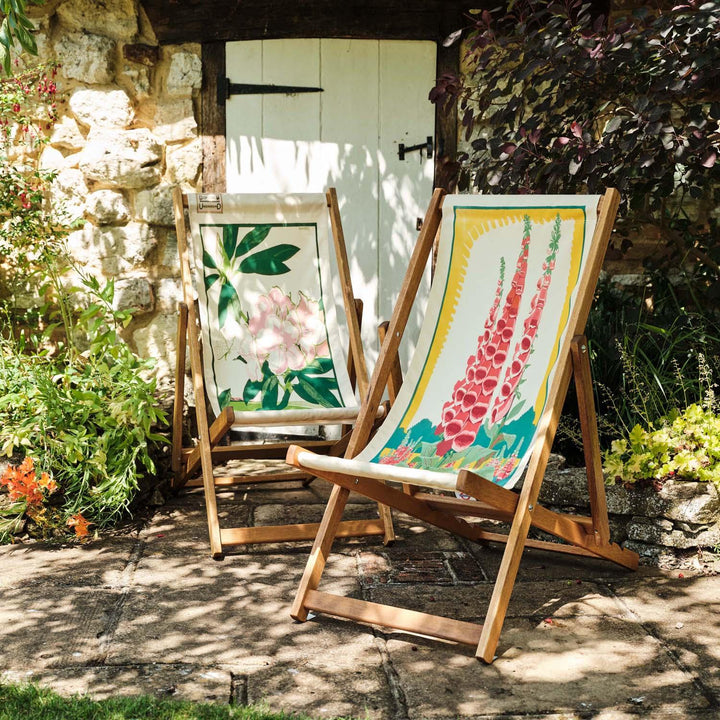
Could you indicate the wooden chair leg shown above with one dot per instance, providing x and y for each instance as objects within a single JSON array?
[
  {"x": 591, "y": 442},
  {"x": 320, "y": 551},
  {"x": 181, "y": 347}
]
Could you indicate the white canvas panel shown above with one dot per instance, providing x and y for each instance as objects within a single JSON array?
[
  {"x": 507, "y": 276},
  {"x": 263, "y": 276}
]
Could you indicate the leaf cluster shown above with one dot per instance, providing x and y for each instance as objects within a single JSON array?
[
  {"x": 558, "y": 101},
  {"x": 89, "y": 418},
  {"x": 15, "y": 28},
  {"x": 268, "y": 261},
  {"x": 308, "y": 383},
  {"x": 685, "y": 445}
]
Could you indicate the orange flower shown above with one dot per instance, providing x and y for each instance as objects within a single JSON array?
[
  {"x": 22, "y": 483},
  {"x": 80, "y": 524}
]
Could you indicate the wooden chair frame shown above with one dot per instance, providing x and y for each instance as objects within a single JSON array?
[
  {"x": 187, "y": 461},
  {"x": 587, "y": 536}
]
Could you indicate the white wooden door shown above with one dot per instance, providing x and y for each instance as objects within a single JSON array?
[{"x": 374, "y": 98}]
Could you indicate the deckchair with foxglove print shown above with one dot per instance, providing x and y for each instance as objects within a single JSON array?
[
  {"x": 477, "y": 411},
  {"x": 261, "y": 325}
]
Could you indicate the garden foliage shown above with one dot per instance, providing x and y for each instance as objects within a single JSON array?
[
  {"x": 556, "y": 100},
  {"x": 77, "y": 408},
  {"x": 685, "y": 445}
]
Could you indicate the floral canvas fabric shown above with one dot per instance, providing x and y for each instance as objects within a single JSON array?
[
  {"x": 506, "y": 278},
  {"x": 262, "y": 273}
]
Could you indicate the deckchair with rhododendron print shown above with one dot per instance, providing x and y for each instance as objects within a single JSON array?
[
  {"x": 479, "y": 406},
  {"x": 261, "y": 326}
]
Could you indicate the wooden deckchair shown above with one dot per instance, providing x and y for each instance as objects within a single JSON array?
[
  {"x": 259, "y": 318},
  {"x": 480, "y": 403}
]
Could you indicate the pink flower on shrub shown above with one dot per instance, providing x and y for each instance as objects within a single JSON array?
[{"x": 288, "y": 335}]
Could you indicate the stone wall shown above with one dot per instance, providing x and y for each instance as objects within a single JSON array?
[
  {"x": 677, "y": 517},
  {"x": 126, "y": 136}
]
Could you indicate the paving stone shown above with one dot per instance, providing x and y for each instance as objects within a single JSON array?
[
  {"x": 683, "y": 613},
  {"x": 241, "y": 624},
  {"x": 273, "y": 569},
  {"x": 54, "y": 625},
  {"x": 543, "y": 564},
  {"x": 539, "y": 600},
  {"x": 103, "y": 562},
  {"x": 327, "y": 674},
  {"x": 577, "y": 665},
  {"x": 182, "y": 529},
  {"x": 415, "y": 535},
  {"x": 177, "y": 681}
]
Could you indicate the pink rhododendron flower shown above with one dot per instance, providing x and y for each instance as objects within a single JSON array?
[{"x": 288, "y": 335}]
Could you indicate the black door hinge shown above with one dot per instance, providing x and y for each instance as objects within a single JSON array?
[{"x": 225, "y": 89}]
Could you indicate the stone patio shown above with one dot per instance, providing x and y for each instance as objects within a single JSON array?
[{"x": 149, "y": 611}]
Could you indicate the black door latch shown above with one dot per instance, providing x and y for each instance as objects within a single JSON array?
[{"x": 427, "y": 146}]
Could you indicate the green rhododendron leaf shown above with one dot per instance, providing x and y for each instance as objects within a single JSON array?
[
  {"x": 252, "y": 239},
  {"x": 228, "y": 299},
  {"x": 210, "y": 280},
  {"x": 208, "y": 260},
  {"x": 270, "y": 393},
  {"x": 251, "y": 390},
  {"x": 224, "y": 398},
  {"x": 316, "y": 391},
  {"x": 319, "y": 366},
  {"x": 270, "y": 261}
]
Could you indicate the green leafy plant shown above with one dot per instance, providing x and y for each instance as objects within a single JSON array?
[
  {"x": 555, "y": 100},
  {"x": 685, "y": 445},
  {"x": 15, "y": 28},
  {"x": 88, "y": 418},
  {"x": 73, "y": 397}
]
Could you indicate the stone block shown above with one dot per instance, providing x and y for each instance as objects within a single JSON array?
[
  {"x": 97, "y": 108},
  {"x": 69, "y": 192},
  {"x": 85, "y": 57},
  {"x": 155, "y": 206},
  {"x": 142, "y": 54},
  {"x": 566, "y": 487},
  {"x": 123, "y": 159},
  {"x": 690, "y": 502},
  {"x": 170, "y": 257},
  {"x": 133, "y": 293},
  {"x": 117, "y": 19},
  {"x": 659, "y": 531},
  {"x": 183, "y": 163},
  {"x": 121, "y": 248},
  {"x": 107, "y": 207},
  {"x": 184, "y": 74},
  {"x": 157, "y": 340},
  {"x": 175, "y": 120},
  {"x": 66, "y": 135},
  {"x": 139, "y": 79},
  {"x": 168, "y": 293}
]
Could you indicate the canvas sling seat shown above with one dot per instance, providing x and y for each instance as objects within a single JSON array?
[
  {"x": 478, "y": 409},
  {"x": 260, "y": 321}
]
